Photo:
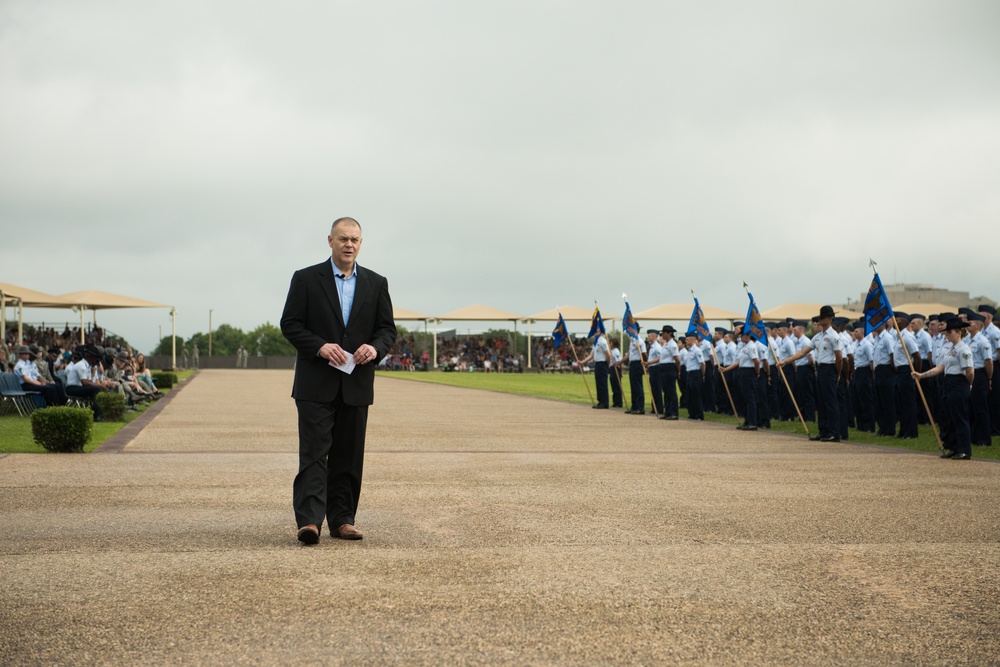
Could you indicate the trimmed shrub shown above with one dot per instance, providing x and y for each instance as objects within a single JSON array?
[
  {"x": 164, "y": 380},
  {"x": 111, "y": 405},
  {"x": 62, "y": 429}
]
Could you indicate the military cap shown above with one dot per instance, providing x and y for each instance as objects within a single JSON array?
[{"x": 987, "y": 308}]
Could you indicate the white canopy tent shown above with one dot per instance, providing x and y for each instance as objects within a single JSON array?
[
  {"x": 22, "y": 296},
  {"x": 96, "y": 300}
]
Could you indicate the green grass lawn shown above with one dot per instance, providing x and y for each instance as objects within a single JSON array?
[
  {"x": 569, "y": 388},
  {"x": 15, "y": 431}
]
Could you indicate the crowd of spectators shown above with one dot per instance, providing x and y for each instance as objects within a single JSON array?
[
  {"x": 59, "y": 369},
  {"x": 456, "y": 353},
  {"x": 50, "y": 336},
  {"x": 482, "y": 353}
]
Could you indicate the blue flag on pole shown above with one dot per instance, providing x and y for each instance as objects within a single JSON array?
[
  {"x": 877, "y": 308},
  {"x": 698, "y": 325},
  {"x": 754, "y": 324},
  {"x": 629, "y": 325},
  {"x": 596, "y": 323},
  {"x": 560, "y": 333}
]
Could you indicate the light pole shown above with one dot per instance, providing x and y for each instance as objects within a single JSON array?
[{"x": 210, "y": 332}]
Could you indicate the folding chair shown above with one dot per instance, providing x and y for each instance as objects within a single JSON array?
[{"x": 10, "y": 391}]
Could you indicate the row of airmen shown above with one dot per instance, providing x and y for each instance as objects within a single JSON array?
[{"x": 840, "y": 374}]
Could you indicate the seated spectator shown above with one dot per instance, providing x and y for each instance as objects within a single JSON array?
[
  {"x": 41, "y": 363},
  {"x": 144, "y": 377},
  {"x": 83, "y": 377},
  {"x": 127, "y": 387},
  {"x": 27, "y": 374}
]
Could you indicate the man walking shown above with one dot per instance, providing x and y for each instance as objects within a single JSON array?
[{"x": 337, "y": 314}]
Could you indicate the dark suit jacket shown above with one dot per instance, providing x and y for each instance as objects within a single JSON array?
[{"x": 312, "y": 317}]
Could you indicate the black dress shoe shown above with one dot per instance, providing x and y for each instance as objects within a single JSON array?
[
  {"x": 961, "y": 457},
  {"x": 599, "y": 407},
  {"x": 814, "y": 438},
  {"x": 947, "y": 454},
  {"x": 672, "y": 418},
  {"x": 829, "y": 438}
]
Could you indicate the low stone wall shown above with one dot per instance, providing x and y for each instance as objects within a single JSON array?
[{"x": 163, "y": 362}]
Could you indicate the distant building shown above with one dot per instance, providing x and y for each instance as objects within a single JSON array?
[{"x": 917, "y": 293}]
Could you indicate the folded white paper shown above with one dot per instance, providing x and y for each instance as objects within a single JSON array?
[{"x": 346, "y": 367}]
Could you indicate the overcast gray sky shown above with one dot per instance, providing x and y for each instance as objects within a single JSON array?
[{"x": 516, "y": 154}]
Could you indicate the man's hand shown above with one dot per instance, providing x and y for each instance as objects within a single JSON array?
[
  {"x": 333, "y": 352},
  {"x": 364, "y": 354}
]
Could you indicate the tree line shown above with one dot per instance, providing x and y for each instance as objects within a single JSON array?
[{"x": 266, "y": 340}]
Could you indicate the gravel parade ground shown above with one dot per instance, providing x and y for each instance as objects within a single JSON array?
[{"x": 498, "y": 530}]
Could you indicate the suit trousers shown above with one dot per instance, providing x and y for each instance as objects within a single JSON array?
[{"x": 331, "y": 459}]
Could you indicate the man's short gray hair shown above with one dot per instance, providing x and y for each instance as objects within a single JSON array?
[{"x": 343, "y": 221}]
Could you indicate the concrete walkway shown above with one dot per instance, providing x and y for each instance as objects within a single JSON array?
[{"x": 499, "y": 530}]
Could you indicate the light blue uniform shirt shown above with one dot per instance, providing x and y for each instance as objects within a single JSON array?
[
  {"x": 27, "y": 369},
  {"x": 863, "y": 352},
  {"x": 898, "y": 356},
  {"x": 937, "y": 349},
  {"x": 600, "y": 348},
  {"x": 883, "y": 349},
  {"x": 706, "y": 350},
  {"x": 636, "y": 349},
  {"x": 825, "y": 345},
  {"x": 982, "y": 351},
  {"x": 345, "y": 288},
  {"x": 801, "y": 342},
  {"x": 668, "y": 353},
  {"x": 694, "y": 359},
  {"x": 956, "y": 358},
  {"x": 925, "y": 344},
  {"x": 747, "y": 355},
  {"x": 655, "y": 349}
]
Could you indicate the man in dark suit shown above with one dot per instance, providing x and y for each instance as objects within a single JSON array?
[{"x": 336, "y": 312}]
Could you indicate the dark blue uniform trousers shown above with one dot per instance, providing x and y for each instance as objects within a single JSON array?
[{"x": 827, "y": 405}]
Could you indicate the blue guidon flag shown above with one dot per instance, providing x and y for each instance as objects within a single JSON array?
[
  {"x": 754, "y": 324},
  {"x": 877, "y": 308},
  {"x": 596, "y": 323},
  {"x": 629, "y": 325},
  {"x": 560, "y": 333},
  {"x": 698, "y": 325}
]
